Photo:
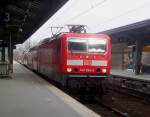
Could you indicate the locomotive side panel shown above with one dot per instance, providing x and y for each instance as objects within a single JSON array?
[{"x": 49, "y": 62}]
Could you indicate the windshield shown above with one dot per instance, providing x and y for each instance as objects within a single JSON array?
[
  {"x": 77, "y": 45},
  {"x": 84, "y": 45},
  {"x": 96, "y": 45}
]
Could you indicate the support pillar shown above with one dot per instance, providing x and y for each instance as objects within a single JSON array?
[
  {"x": 138, "y": 56},
  {"x": 10, "y": 54},
  {"x": 3, "y": 51}
]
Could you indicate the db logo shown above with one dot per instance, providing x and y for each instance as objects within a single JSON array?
[{"x": 87, "y": 62}]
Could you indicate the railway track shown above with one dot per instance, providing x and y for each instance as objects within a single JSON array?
[
  {"x": 132, "y": 87},
  {"x": 107, "y": 107},
  {"x": 112, "y": 110},
  {"x": 131, "y": 92},
  {"x": 136, "y": 102},
  {"x": 92, "y": 102},
  {"x": 104, "y": 106}
]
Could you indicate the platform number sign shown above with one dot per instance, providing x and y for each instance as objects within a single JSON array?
[
  {"x": 7, "y": 17},
  {"x": 4, "y": 17}
]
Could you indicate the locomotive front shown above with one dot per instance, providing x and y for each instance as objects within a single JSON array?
[{"x": 87, "y": 55}]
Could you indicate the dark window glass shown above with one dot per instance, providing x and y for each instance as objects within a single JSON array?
[{"x": 77, "y": 45}]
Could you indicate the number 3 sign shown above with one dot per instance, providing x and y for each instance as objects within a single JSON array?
[{"x": 7, "y": 17}]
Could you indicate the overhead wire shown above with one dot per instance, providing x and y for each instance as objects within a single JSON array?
[
  {"x": 66, "y": 10},
  {"x": 125, "y": 13},
  {"x": 82, "y": 13},
  {"x": 95, "y": 6},
  {"x": 86, "y": 11}
]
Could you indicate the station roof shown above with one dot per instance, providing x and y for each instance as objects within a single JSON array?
[
  {"x": 131, "y": 32},
  {"x": 21, "y": 18}
]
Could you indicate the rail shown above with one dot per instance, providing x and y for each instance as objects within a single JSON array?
[{"x": 130, "y": 86}]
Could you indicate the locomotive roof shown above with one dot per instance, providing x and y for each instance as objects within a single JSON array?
[
  {"x": 49, "y": 39},
  {"x": 46, "y": 40}
]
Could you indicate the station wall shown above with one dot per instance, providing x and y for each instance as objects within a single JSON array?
[
  {"x": 146, "y": 55},
  {"x": 146, "y": 58},
  {"x": 117, "y": 55}
]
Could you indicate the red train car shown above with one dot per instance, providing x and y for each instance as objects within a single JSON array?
[{"x": 72, "y": 56}]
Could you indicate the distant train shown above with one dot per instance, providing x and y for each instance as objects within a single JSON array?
[{"x": 72, "y": 57}]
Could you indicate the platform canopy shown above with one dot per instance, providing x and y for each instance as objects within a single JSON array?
[{"x": 22, "y": 18}]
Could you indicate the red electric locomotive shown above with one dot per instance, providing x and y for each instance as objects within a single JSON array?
[{"x": 72, "y": 57}]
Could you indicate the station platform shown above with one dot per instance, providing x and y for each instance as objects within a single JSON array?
[
  {"x": 28, "y": 95},
  {"x": 130, "y": 74}
]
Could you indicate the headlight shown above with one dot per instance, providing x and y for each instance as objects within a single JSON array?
[
  {"x": 69, "y": 69},
  {"x": 104, "y": 70}
]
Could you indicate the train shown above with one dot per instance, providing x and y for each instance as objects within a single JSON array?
[{"x": 69, "y": 58}]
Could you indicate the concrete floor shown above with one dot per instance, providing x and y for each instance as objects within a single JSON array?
[
  {"x": 27, "y": 95},
  {"x": 130, "y": 73}
]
